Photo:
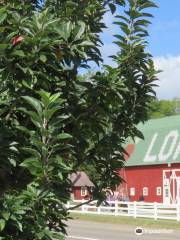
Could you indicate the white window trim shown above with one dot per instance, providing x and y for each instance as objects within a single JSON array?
[
  {"x": 132, "y": 191},
  {"x": 158, "y": 191},
  {"x": 145, "y": 191},
  {"x": 83, "y": 191}
]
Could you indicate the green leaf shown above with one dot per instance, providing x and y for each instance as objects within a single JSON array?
[
  {"x": 37, "y": 20},
  {"x": 2, "y": 17},
  {"x": 11, "y": 36},
  {"x": 2, "y": 224},
  {"x": 147, "y": 4},
  {"x": 43, "y": 58},
  {"x": 120, "y": 2},
  {"x": 51, "y": 22},
  {"x": 63, "y": 136},
  {"x": 124, "y": 27},
  {"x": 34, "y": 117},
  {"x": 23, "y": 129},
  {"x": 18, "y": 53},
  {"x": 32, "y": 151},
  {"x": 13, "y": 162},
  {"x": 5, "y": 215},
  {"x": 143, "y": 22},
  {"x": 86, "y": 43},
  {"x": 112, "y": 7},
  {"x": 2, "y": 29},
  {"x": 64, "y": 30},
  {"x": 19, "y": 224},
  {"x": 49, "y": 113},
  {"x": 81, "y": 29},
  {"x": 45, "y": 97},
  {"x": 36, "y": 104},
  {"x": 123, "y": 18},
  {"x": 33, "y": 165},
  {"x": 3, "y": 10},
  {"x": 3, "y": 47},
  {"x": 54, "y": 97}
]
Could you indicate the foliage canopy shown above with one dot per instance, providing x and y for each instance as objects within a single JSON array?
[
  {"x": 164, "y": 108},
  {"x": 52, "y": 122}
]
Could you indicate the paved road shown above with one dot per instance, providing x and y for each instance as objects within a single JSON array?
[{"x": 84, "y": 230}]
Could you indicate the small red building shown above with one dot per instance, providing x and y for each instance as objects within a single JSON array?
[
  {"x": 82, "y": 186},
  {"x": 152, "y": 170}
]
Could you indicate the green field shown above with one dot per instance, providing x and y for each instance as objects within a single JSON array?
[{"x": 142, "y": 222}]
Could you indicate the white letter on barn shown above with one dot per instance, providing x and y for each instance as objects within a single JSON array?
[
  {"x": 148, "y": 157},
  {"x": 177, "y": 152},
  {"x": 168, "y": 145}
]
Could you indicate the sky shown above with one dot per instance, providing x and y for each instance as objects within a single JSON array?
[{"x": 164, "y": 44}]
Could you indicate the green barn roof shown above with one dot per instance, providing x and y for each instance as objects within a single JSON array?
[{"x": 161, "y": 144}]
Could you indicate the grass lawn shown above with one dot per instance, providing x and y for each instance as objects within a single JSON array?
[{"x": 142, "y": 222}]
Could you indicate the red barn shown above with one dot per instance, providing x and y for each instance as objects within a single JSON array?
[
  {"x": 152, "y": 170},
  {"x": 82, "y": 186}
]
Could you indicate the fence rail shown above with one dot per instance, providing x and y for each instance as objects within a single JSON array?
[{"x": 135, "y": 209}]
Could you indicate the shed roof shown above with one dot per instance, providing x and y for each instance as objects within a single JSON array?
[
  {"x": 161, "y": 143},
  {"x": 80, "y": 179}
]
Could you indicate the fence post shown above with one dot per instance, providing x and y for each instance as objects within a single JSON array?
[
  {"x": 178, "y": 212},
  {"x": 68, "y": 205},
  {"x": 155, "y": 210},
  {"x": 135, "y": 209},
  {"x": 116, "y": 208},
  {"x": 99, "y": 210},
  {"x": 129, "y": 207},
  {"x": 82, "y": 207}
]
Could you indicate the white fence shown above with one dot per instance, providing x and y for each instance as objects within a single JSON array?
[{"x": 133, "y": 209}]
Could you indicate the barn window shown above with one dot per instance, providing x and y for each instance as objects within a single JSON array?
[
  {"x": 145, "y": 191},
  {"x": 132, "y": 191},
  {"x": 83, "y": 191},
  {"x": 158, "y": 191}
]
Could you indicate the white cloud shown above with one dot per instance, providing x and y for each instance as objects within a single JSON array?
[{"x": 169, "y": 78}]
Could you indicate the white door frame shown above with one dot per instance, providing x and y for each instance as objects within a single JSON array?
[
  {"x": 172, "y": 184},
  {"x": 178, "y": 190}
]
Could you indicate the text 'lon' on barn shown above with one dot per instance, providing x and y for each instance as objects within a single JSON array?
[{"x": 153, "y": 165}]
